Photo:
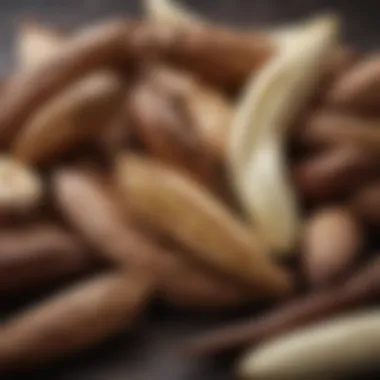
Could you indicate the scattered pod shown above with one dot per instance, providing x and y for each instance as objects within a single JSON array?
[
  {"x": 331, "y": 242},
  {"x": 345, "y": 345},
  {"x": 38, "y": 255},
  {"x": 78, "y": 317},
  {"x": 274, "y": 97},
  {"x": 177, "y": 206},
  {"x": 359, "y": 290}
]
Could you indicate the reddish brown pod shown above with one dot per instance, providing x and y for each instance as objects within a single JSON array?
[
  {"x": 332, "y": 240},
  {"x": 40, "y": 254},
  {"x": 334, "y": 173}
]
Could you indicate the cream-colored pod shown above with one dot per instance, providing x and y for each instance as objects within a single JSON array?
[
  {"x": 342, "y": 346},
  {"x": 272, "y": 100}
]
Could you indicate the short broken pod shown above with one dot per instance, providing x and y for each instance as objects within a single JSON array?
[
  {"x": 36, "y": 44},
  {"x": 335, "y": 348},
  {"x": 21, "y": 189},
  {"x": 175, "y": 205},
  {"x": 172, "y": 13},
  {"x": 271, "y": 101}
]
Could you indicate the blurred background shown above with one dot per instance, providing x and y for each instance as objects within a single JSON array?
[
  {"x": 361, "y": 16},
  {"x": 150, "y": 351}
]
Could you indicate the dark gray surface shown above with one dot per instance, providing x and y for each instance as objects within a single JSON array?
[{"x": 150, "y": 352}]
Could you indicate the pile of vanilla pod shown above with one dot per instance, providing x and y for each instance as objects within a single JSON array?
[{"x": 208, "y": 166}]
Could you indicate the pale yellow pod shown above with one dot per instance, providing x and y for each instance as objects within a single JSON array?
[
  {"x": 345, "y": 345},
  {"x": 21, "y": 189},
  {"x": 179, "y": 207},
  {"x": 171, "y": 12},
  {"x": 272, "y": 100}
]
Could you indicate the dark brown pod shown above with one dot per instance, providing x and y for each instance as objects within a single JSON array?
[
  {"x": 366, "y": 203},
  {"x": 40, "y": 255},
  {"x": 333, "y": 173},
  {"x": 362, "y": 288}
]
